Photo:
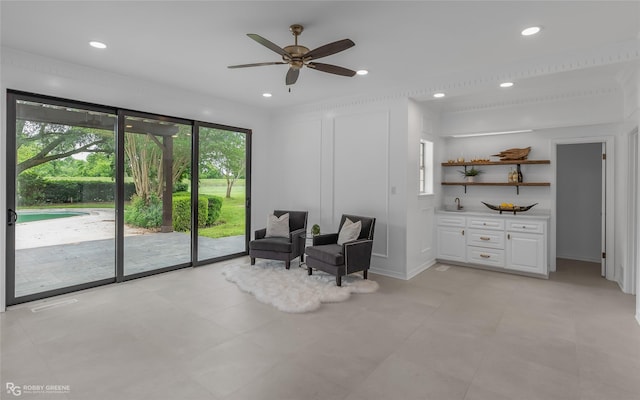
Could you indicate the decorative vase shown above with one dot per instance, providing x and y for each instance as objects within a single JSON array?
[{"x": 470, "y": 178}]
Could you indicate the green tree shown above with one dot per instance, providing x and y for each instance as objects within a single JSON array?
[
  {"x": 145, "y": 156},
  {"x": 98, "y": 164},
  {"x": 224, "y": 151},
  {"x": 38, "y": 143}
]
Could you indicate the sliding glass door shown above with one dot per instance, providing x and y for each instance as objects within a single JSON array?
[
  {"x": 60, "y": 196},
  {"x": 98, "y": 195},
  {"x": 157, "y": 216},
  {"x": 223, "y": 183}
]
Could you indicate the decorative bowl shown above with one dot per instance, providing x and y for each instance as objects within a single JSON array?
[{"x": 514, "y": 209}]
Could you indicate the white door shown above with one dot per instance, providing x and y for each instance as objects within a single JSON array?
[{"x": 603, "y": 213}]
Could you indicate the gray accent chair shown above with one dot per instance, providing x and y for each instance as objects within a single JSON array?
[
  {"x": 341, "y": 260},
  {"x": 281, "y": 248}
]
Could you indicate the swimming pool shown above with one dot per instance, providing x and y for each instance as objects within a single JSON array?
[{"x": 30, "y": 216}]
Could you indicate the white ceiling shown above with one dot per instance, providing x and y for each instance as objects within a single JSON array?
[{"x": 404, "y": 45}]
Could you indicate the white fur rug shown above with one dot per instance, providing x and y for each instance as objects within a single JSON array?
[{"x": 293, "y": 290}]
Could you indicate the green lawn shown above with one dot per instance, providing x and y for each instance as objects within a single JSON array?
[{"x": 232, "y": 214}]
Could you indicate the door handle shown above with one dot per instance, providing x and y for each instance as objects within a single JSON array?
[{"x": 12, "y": 217}]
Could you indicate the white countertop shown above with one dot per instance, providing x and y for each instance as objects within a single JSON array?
[{"x": 537, "y": 214}]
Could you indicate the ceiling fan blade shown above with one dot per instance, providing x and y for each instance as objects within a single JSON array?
[
  {"x": 269, "y": 45},
  {"x": 256, "y": 64},
  {"x": 332, "y": 69},
  {"x": 329, "y": 49},
  {"x": 292, "y": 76}
]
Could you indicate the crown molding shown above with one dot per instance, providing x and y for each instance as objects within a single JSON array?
[{"x": 471, "y": 82}]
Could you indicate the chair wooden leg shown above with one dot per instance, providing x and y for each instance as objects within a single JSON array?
[
  {"x": 309, "y": 271},
  {"x": 253, "y": 261},
  {"x": 338, "y": 280},
  {"x": 364, "y": 274},
  {"x": 287, "y": 264}
]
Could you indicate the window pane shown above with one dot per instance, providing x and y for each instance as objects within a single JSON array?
[
  {"x": 158, "y": 208},
  {"x": 223, "y": 160},
  {"x": 65, "y": 233}
]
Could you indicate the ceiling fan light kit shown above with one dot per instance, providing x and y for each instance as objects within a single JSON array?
[{"x": 298, "y": 56}]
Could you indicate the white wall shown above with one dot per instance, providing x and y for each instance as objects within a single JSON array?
[
  {"x": 36, "y": 74},
  {"x": 579, "y": 201},
  {"x": 353, "y": 162}
]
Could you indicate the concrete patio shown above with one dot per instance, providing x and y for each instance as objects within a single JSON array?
[{"x": 53, "y": 254}]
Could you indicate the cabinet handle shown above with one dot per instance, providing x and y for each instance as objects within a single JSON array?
[
  {"x": 509, "y": 236},
  {"x": 524, "y": 227},
  {"x": 484, "y": 238},
  {"x": 463, "y": 232},
  {"x": 484, "y": 256}
]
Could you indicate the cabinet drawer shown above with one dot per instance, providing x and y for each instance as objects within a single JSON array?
[
  {"x": 526, "y": 226},
  {"x": 485, "y": 223},
  {"x": 453, "y": 220},
  {"x": 485, "y": 238},
  {"x": 484, "y": 256}
]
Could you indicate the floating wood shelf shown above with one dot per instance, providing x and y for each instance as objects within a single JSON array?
[
  {"x": 517, "y": 185},
  {"x": 497, "y": 183},
  {"x": 506, "y": 162}
]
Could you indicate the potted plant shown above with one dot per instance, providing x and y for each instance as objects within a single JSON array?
[
  {"x": 315, "y": 230},
  {"x": 470, "y": 174}
]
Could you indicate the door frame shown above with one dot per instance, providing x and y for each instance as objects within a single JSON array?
[
  {"x": 11, "y": 187},
  {"x": 7, "y": 280},
  {"x": 607, "y": 206}
]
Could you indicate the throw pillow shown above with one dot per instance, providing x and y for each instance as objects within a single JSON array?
[
  {"x": 350, "y": 231},
  {"x": 278, "y": 226}
]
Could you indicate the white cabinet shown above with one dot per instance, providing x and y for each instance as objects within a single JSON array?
[
  {"x": 451, "y": 243},
  {"x": 485, "y": 241},
  {"x": 526, "y": 252},
  {"x": 510, "y": 243}
]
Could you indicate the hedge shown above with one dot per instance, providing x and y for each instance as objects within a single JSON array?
[
  {"x": 215, "y": 207},
  {"x": 182, "y": 211},
  {"x": 35, "y": 190}
]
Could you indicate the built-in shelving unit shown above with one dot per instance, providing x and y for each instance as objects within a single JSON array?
[{"x": 517, "y": 163}]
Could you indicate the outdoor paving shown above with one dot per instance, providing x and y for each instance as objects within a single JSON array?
[
  {"x": 77, "y": 250},
  {"x": 52, "y": 267}
]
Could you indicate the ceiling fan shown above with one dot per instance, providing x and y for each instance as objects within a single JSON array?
[{"x": 297, "y": 56}]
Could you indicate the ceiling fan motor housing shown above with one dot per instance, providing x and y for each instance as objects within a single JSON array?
[{"x": 297, "y": 56}]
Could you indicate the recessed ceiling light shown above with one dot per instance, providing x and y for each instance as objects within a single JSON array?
[
  {"x": 362, "y": 72},
  {"x": 530, "y": 31},
  {"x": 97, "y": 45},
  {"x": 266, "y": 94},
  {"x": 438, "y": 95},
  {"x": 506, "y": 84}
]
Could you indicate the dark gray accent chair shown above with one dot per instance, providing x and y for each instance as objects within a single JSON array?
[
  {"x": 281, "y": 248},
  {"x": 341, "y": 260}
]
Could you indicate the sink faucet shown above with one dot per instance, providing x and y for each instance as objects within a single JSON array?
[{"x": 457, "y": 200}]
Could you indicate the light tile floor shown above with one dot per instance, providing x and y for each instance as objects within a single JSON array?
[{"x": 456, "y": 334}]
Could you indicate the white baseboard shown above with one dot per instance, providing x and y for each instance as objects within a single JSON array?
[
  {"x": 415, "y": 271},
  {"x": 390, "y": 274},
  {"x": 400, "y": 275}
]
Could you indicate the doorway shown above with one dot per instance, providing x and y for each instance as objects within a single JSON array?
[
  {"x": 581, "y": 224},
  {"x": 99, "y": 195}
]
